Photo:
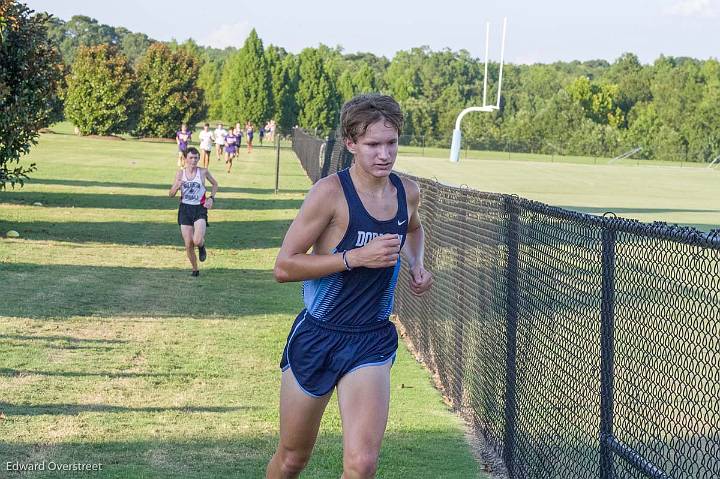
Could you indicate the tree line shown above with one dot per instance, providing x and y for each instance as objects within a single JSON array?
[{"x": 115, "y": 81}]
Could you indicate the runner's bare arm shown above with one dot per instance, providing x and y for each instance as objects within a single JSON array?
[
  {"x": 210, "y": 201},
  {"x": 176, "y": 185},
  {"x": 414, "y": 251},
  {"x": 293, "y": 262},
  {"x": 212, "y": 181}
]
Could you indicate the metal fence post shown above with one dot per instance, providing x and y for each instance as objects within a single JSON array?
[
  {"x": 607, "y": 352},
  {"x": 277, "y": 163},
  {"x": 511, "y": 314}
]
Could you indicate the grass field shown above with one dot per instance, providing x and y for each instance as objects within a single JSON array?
[
  {"x": 646, "y": 191},
  {"x": 112, "y": 354}
]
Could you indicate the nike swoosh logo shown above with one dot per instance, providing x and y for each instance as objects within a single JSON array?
[{"x": 400, "y": 223}]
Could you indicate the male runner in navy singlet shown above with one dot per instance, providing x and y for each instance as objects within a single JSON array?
[{"x": 357, "y": 223}]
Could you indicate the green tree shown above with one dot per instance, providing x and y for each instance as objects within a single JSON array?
[
  {"x": 592, "y": 139},
  {"x": 209, "y": 81},
  {"x": 317, "y": 93},
  {"x": 81, "y": 30},
  {"x": 29, "y": 76},
  {"x": 705, "y": 128},
  {"x": 345, "y": 86},
  {"x": 419, "y": 120},
  {"x": 57, "y": 100},
  {"x": 133, "y": 45},
  {"x": 102, "y": 96},
  {"x": 364, "y": 79},
  {"x": 643, "y": 128},
  {"x": 600, "y": 102},
  {"x": 288, "y": 117},
  {"x": 669, "y": 145},
  {"x": 556, "y": 122},
  {"x": 448, "y": 105},
  {"x": 246, "y": 88},
  {"x": 403, "y": 75},
  {"x": 378, "y": 66},
  {"x": 357, "y": 78},
  {"x": 632, "y": 79},
  {"x": 284, "y": 74},
  {"x": 520, "y": 131},
  {"x": 170, "y": 94}
]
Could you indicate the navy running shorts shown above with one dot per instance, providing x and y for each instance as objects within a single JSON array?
[{"x": 320, "y": 354}]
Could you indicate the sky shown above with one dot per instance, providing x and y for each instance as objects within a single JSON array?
[{"x": 537, "y": 31}]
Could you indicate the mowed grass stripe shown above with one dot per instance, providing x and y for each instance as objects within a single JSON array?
[{"x": 112, "y": 354}]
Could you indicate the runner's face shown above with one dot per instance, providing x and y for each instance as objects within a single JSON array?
[
  {"x": 375, "y": 151},
  {"x": 192, "y": 159}
]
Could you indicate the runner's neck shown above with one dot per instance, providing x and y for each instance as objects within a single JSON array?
[{"x": 368, "y": 184}]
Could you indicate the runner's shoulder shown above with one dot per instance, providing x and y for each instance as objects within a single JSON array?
[
  {"x": 326, "y": 192},
  {"x": 327, "y": 187},
  {"x": 412, "y": 189}
]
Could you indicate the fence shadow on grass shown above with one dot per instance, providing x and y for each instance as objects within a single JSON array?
[
  {"x": 622, "y": 211},
  {"x": 412, "y": 453},
  {"x": 10, "y": 372},
  {"x": 137, "y": 202},
  {"x": 158, "y": 186},
  {"x": 630, "y": 212},
  {"x": 221, "y": 234},
  {"x": 67, "y": 339},
  {"x": 60, "y": 409},
  {"x": 63, "y": 291}
]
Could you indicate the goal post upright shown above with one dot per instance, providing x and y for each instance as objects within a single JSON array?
[
  {"x": 456, "y": 144},
  {"x": 502, "y": 62}
]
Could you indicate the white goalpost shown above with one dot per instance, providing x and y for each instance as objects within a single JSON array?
[{"x": 457, "y": 134}]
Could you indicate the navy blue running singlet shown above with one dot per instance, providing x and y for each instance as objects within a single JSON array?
[
  {"x": 345, "y": 324},
  {"x": 363, "y": 295}
]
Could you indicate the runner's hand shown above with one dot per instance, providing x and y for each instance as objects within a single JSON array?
[
  {"x": 209, "y": 203},
  {"x": 380, "y": 252},
  {"x": 420, "y": 280}
]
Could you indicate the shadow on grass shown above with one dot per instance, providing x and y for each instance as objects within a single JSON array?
[
  {"x": 70, "y": 339},
  {"x": 74, "y": 409},
  {"x": 77, "y": 374},
  {"x": 221, "y": 234},
  {"x": 158, "y": 186},
  {"x": 620, "y": 211},
  {"x": 137, "y": 202},
  {"x": 411, "y": 454},
  {"x": 629, "y": 212},
  {"x": 63, "y": 291}
]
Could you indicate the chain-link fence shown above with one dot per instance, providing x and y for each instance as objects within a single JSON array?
[
  {"x": 577, "y": 345},
  {"x": 320, "y": 157}
]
